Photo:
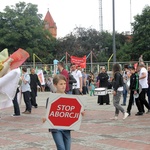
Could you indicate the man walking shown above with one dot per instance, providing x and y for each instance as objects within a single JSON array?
[
  {"x": 34, "y": 82},
  {"x": 148, "y": 92},
  {"x": 25, "y": 88},
  {"x": 77, "y": 87},
  {"x": 143, "y": 75}
]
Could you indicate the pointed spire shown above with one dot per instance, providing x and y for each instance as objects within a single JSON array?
[
  {"x": 49, "y": 19},
  {"x": 50, "y": 24}
]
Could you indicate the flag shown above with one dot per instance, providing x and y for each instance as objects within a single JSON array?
[
  {"x": 19, "y": 57},
  {"x": 79, "y": 61},
  {"x": 8, "y": 86}
]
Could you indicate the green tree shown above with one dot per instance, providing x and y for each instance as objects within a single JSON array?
[
  {"x": 82, "y": 41},
  {"x": 22, "y": 27},
  {"x": 124, "y": 54},
  {"x": 141, "y": 35}
]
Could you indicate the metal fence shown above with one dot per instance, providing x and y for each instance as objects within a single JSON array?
[{"x": 90, "y": 67}]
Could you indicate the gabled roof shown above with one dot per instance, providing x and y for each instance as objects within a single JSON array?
[{"x": 49, "y": 19}]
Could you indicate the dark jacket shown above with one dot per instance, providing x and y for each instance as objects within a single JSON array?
[
  {"x": 117, "y": 81},
  {"x": 34, "y": 81},
  {"x": 103, "y": 78},
  {"x": 134, "y": 82}
]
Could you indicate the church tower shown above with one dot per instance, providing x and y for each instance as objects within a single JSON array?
[{"x": 50, "y": 24}]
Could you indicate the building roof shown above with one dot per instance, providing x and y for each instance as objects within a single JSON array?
[{"x": 49, "y": 19}]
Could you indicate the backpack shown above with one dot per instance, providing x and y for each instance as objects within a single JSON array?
[{"x": 72, "y": 79}]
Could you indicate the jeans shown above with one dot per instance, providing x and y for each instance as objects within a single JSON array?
[
  {"x": 69, "y": 92},
  {"x": 33, "y": 94},
  {"x": 143, "y": 99},
  {"x": 84, "y": 90},
  {"x": 148, "y": 94},
  {"x": 125, "y": 92},
  {"x": 62, "y": 139},
  {"x": 26, "y": 96},
  {"x": 16, "y": 105},
  {"x": 116, "y": 100}
]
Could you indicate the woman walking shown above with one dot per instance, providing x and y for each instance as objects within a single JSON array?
[{"x": 117, "y": 91}]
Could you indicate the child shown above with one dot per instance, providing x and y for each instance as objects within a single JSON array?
[
  {"x": 92, "y": 87},
  {"x": 61, "y": 137},
  {"x": 134, "y": 90}
]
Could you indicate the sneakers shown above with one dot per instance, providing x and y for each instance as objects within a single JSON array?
[
  {"x": 125, "y": 115},
  {"x": 114, "y": 118},
  {"x": 14, "y": 115},
  {"x": 36, "y": 106},
  {"x": 26, "y": 112},
  {"x": 148, "y": 112},
  {"x": 123, "y": 104},
  {"x": 139, "y": 114}
]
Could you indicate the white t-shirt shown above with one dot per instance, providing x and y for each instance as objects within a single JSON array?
[
  {"x": 143, "y": 82},
  {"x": 76, "y": 74}
]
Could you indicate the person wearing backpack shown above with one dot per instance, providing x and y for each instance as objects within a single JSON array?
[
  {"x": 117, "y": 83},
  {"x": 71, "y": 81},
  {"x": 77, "y": 87}
]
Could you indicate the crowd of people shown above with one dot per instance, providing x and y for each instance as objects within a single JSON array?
[
  {"x": 79, "y": 82},
  {"x": 134, "y": 81},
  {"x": 28, "y": 86}
]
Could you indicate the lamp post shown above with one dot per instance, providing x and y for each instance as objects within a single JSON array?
[{"x": 114, "y": 43}]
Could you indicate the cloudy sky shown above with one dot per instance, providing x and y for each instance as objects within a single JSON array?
[{"x": 69, "y": 14}]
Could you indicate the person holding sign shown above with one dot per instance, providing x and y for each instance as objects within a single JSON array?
[
  {"x": 61, "y": 137},
  {"x": 77, "y": 87}
]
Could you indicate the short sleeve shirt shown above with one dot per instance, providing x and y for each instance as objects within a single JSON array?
[
  {"x": 26, "y": 87},
  {"x": 77, "y": 75},
  {"x": 143, "y": 82}
]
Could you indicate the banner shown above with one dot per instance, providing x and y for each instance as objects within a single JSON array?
[
  {"x": 19, "y": 57},
  {"x": 79, "y": 61},
  {"x": 41, "y": 77},
  {"x": 8, "y": 86}
]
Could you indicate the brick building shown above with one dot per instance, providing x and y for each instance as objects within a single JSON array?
[{"x": 50, "y": 24}]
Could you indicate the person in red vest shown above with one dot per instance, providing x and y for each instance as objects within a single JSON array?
[{"x": 64, "y": 72}]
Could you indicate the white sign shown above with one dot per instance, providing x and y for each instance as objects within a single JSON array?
[{"x": 64, "y": 111}]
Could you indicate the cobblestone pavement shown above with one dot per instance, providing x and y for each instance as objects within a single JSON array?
[{"x": 97, "y": 131}]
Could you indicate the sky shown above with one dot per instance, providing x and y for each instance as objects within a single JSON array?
[{"x": 69, "y": 14}]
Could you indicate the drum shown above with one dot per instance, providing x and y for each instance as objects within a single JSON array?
[{"x": 100, "y": 91}]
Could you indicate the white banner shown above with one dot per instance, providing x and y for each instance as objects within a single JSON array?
[
  {"x": 64, "y": 111},
  {"x": 8, "y": 87},
  {"x": 41, "y": 77}
]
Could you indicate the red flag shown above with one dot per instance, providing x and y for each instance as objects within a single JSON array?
[{"x": 79, "y": 61}]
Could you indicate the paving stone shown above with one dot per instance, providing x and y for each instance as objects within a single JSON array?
[{"x": 97, "y": 131}]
